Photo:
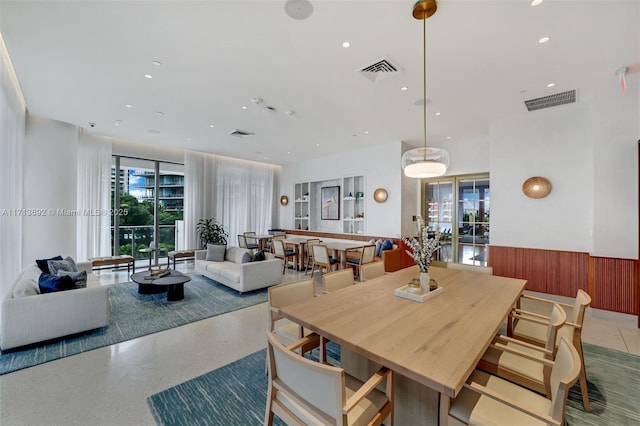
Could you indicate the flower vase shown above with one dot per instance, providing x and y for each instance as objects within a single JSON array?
[{"x": 424, "y": 282}]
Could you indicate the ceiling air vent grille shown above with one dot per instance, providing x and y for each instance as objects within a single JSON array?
[
  {"x": 556, "y": 99},
  {"x": 382, "y": 67},
  {"x": 240, "y": 133}
]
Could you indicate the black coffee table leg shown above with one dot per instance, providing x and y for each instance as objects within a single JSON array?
[
  {"x": 176, "y": 292},
  {"x": 151, "y": 289}
]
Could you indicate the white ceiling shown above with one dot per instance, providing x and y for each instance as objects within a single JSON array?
[{"x": 83, "y": 61}]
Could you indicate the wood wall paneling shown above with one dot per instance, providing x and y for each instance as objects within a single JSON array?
[{"x": 615, "y": 285}]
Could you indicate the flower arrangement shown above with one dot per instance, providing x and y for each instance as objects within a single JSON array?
[{"x": 423, "y": 247}]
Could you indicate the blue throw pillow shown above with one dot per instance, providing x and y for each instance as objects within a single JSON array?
[
  {"x": 43, "y": 263},
  {"x": 79, "y": 278},
  {"x": 50, "y": 283},
  {"x": 386, "y": 245},
  {"x": 378, "y": 248}
]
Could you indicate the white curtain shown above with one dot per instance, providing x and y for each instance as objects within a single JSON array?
[
  {"x": 236, "y": 193},
  {"x": 94, "y": 196},
  {"x": 12, "y": 137}
]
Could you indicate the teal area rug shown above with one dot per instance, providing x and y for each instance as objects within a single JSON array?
[
  {"x": 134, "y": 315},
  {"x": 236, "y": 393}
]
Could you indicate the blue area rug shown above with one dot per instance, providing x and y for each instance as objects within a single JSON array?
[
  {"x": 134, "y": 315},
  {"x": 236, "y": 394}
]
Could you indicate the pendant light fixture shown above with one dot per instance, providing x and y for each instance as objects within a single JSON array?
[{"x": 425, "y": 162}]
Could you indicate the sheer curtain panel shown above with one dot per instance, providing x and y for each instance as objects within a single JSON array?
[
  {"x": 12, "y": 136},
  {"x": 94, "y": 196}
]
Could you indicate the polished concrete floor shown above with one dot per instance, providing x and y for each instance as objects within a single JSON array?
[{"x": 109, "y": 386}]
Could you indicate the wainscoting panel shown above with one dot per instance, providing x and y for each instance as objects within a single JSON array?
[{"x": 615, "y": 286}]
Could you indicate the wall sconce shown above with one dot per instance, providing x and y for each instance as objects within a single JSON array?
[
  {"x": 536, "y": 187},
  {"x": 380, "y": 195},
  {"x": 284, "y": 200}
]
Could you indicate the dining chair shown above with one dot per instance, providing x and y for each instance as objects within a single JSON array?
[
  {"x": 279, "y": 236},
  {"x": 305, "y": 392},
  {"x": 242, "y": 241},
  {"x": 470, "y": 268},
  {"x": 309, "y": 253},
  {"x": 519, "y": 365},
  {"x": 372, "y": 270},
  {"x": 367, "y": 255},
  {"x": 251, "y": 241},
  {"x": 321, "y": 259},
  {"x": 281, "y": 252},
  {"x": 532, "y": 332},
  {"x": 488, "y": 399},
  {"x": 337, "y": 280},
  {"x": 284, "y": 294}
]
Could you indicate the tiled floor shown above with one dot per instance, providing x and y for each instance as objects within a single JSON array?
[{"x": 109, "y": 386}]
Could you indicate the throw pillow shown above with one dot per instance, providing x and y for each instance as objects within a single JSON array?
[
  {"x": 215, "y": 252},
  {"x": 58, "y": 265},
  {"x": 258, "y": 256},
  {"x": 378, "y": 248},
  {"x": 79, "y": 278},
  {"x": 50, "y": 283},
  {"x": 42, "y": 263},
  {"x": 246, "y": 257},
  {"x": 74, "y": 266},
  {"x": 386, "y": 245},
  {"x": 25, "y": 287}
]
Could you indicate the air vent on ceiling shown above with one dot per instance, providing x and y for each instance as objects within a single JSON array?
[
  {"x": 556, "y": 99},
  {"x": 381, "y": 68},
  {"x": 240, "y": 133}
]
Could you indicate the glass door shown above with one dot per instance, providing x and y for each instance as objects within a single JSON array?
[{"x": 439, "y": 213}]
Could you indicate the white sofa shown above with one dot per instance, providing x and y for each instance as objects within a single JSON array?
[
  {"x": 237, "y": 275},
  {"x": 30, "y": 318}
]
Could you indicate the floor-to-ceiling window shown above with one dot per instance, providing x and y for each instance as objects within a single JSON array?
[
  {"x": 149, "y": 196},
  {"x": 458, "y": 207}
]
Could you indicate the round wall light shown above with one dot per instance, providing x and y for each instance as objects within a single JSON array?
[
  {"x": 380, "y": 195},
  {"x": 284, "y": 200},
  {"x": 536, "y": 187}
]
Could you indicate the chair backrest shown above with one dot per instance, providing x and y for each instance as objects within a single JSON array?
[
  {"x": 278, "y": 247},
  {"x": 338, "y": 279},
  {"x": 368, "y": 254},
  {"x": 471, "y": 268},
  {"x": 320, "y": 254},
  {"x": 242, "y": 241},
  {"x": 582, "y": 302},
  {"x": 556, "y": 320},
  {"x": 372, "y": 270},
  {"x": 287, "y": 293},
  {"x": 564, "y": 374},
  {"x": 250, "y": 233},
  {"x": 310, "y": 242},
  {"x": 317, "y": 389}
]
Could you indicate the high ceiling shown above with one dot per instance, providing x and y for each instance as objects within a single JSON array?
[{"x": 82, "y": 62}]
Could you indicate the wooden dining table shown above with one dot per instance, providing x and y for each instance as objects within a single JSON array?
[
  {"x": 432, "y": 346},
  {"x": 299, "y": 242},
  {"x": 340, "y": 248}
]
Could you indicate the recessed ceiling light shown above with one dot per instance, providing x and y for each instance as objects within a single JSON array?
[
  {"x": 366, "y": 132},
  {"x": 551, "y": 84},
  {"x": 188, "y": 139},
  {"x": 437, "y": 113},
  {"x": 212, "y": 126},
  {"x": 117, "y": 122},
  {"x": 535, "y": 3},
  {"x": 346, "y": 44},
  {"x": 290, "y": 112},
  {"x": 159, "y": 113},
  {"x": 244, "y": 107},
  {"x": 448, "y": 137},
  {"x": 129, "y": 106},
  {"x": 317, "y": 144},
  {"x": 543, "y": 40},
  {"x": 156, "y": 63},
  {"x": 404, "y": 88},
  {"x": 288, "y": 152},
  {"x": 153, "y": 131},
  {"x": 149, "y": 76}
]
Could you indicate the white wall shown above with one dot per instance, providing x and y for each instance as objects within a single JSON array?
[
  {"x": 49, "y": 183},
  {"x": 589, "y": 153}
]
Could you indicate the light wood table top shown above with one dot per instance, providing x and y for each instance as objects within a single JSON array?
[{"x": 436, "y": 343}]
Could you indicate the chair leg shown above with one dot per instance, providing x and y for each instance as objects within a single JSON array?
[{"x": 583, "y": 380}]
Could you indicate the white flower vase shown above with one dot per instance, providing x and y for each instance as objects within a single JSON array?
[{"x": 424, "y": 282}]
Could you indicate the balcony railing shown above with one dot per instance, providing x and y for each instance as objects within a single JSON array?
[{"x": 134, "y": 238}]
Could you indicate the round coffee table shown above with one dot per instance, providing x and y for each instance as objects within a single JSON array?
[{"x": 173, "y": 284}]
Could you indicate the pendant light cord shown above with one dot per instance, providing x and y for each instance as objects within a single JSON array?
[{"x": 424, "y": 85}]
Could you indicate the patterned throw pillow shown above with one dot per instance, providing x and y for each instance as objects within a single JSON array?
[
  {"x": 43, "y": 263},
  {"x": 58, "y": 265},
  {"x": 79, "y": 278},
  {"x": 50, "y": 283}
]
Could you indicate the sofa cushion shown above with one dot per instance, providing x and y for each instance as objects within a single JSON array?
[
  {"x": 79, "y": 278},
  {"x": 238, "y": 255},
  {"x": 61, "y": 265},
  {"x": 215, "y": 252},
  {"x": 50, "y": 283},
  {"x": 43, "y": 263},
  {"x": 232, "y": 274},
  {"x": 25, "y": 287}
]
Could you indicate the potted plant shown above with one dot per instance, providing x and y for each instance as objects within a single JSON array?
[
  {"x": 422, "y": 249},
  {"x": 211, "y": 232}
]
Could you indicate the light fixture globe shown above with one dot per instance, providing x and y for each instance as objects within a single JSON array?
[{"x": 425, "y": 162}]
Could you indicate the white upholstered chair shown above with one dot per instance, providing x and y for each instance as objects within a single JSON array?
[
  {"x": 322, "y": 260},
  {"x": 488, "y": 399},
  {"x": 366, "y": 254},
  {"x": 336, "y": 280},
  {"x": 281, "y": 252},
  {"x": 285, "y": 294},
  {"x": 572, "y": 330},
  {"x": 305, "y": 392},
  {"x": 519, "y": 363}
]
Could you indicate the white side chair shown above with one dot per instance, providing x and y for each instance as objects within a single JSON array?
[
  {"x": 322, "y": 260},
  {"x": 487, "y": 399},
  {"x": 285, "y": 294},
  {"x": 304, "y": 392}
]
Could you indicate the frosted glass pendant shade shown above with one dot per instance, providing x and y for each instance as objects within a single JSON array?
[{"x": 418, "y": 165}]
